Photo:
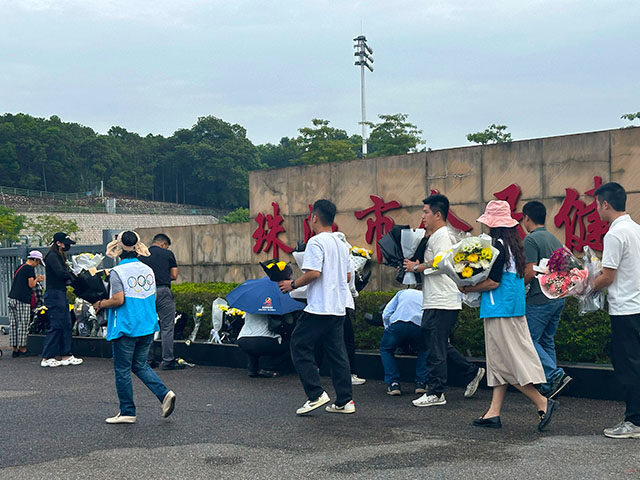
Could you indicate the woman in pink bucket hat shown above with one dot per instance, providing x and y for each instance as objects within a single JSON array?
[{"x": 511, "y": 356}]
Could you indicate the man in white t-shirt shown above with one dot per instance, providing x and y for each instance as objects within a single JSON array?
[
  {"x": 326, "y": 272},
  {"x": 620, "y": 267},
  {"x": 440, "y": 306}
]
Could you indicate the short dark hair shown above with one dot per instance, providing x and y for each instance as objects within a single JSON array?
[
  {"x": 129, "y": 238},
  {"x": 438, "y": 203},
  {"x": 536, "y": 211},
  {"x": 613, "y": 193},
  {"x": 161, "y": 238},
  {"x": 325, "y": 210}
]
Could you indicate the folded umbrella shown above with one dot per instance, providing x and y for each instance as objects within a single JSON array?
[{"x": 262, "y": 296}]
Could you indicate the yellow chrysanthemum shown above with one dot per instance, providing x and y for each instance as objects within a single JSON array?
[
  {"x": 270, "y": 265},
  {"x": 467, "y": 272},
  {"x": 458, "y": 257},
  {"x": 473, "y": 257},
  {"x": 437, "y": 260},
  {"x": 486, "y": 254},
  {"x": 281, "y": 265}
]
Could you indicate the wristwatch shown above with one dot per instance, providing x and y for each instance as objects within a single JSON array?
[
  {"x": 293, "y": 284},
  {"x": 415, "y": 267}
]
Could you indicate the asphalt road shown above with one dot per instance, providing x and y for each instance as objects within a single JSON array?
[{"x": 227, "y": 425}]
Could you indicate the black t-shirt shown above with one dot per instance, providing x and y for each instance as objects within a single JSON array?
[
  {"x": 161, "y": 262},
  {"x": 20, "y": 289}
]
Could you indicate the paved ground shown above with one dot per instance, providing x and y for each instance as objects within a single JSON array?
[{"x": 227, "y": 425}]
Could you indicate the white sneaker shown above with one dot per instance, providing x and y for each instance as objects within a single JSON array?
[
  {"x": 429, "y": 401},
  {"x": 355, "y": 380},
  {"x": 50, "y": 362},
  {"x": 121, "y": 419},
  {"x": 71, "y": 361},
  {"x": 168, "y": 403},
  {"x": 347, "y": 408},
  {"x": 473, "y": 384},
  {"x": 623, "y": 430},
  {"x": 312, "y": 405}
]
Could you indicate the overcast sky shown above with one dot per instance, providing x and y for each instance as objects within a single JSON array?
[{"x": 541, "y": 67}]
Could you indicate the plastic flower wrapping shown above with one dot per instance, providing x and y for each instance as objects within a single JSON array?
[
  {"x": 469, "y": 261},
  {"x": 590, "y": 300},
  {"x": 562, "y": 275},
  {"x": 360, "y": 257}
]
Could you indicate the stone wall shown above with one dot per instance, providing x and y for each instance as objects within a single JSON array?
[
  {"x": 92, "y": 224},
  {"x": 470, "y": 176}
]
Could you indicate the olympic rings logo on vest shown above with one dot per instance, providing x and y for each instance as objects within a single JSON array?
[{"x": 141, "y": 283}]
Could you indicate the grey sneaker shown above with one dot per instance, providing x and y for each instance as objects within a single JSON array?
[
  {"x": 473, "y": 384},
  {"x": 623, "y": 430},
  {"x": 558, "y": 385},
  {"x": 429, "y": 400}
]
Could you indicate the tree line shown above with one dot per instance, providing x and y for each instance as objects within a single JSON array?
[{"x": 207, "y": 164}]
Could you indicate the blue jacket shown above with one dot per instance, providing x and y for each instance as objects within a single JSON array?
[{"x": 137, "y": 316}]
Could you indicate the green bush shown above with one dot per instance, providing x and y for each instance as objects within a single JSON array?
[
  {"x": 579, "y": 338},
  {"x": 189, "y": 294}
]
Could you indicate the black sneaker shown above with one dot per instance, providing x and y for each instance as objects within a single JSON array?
[
  {"x": 153, "y": 363},
  {"x": 15, "y": 354},
  {"x": 545, "y": 417},
  {"x": 558, "y": 385},
  {"x": 420, "y": 388},
  {"x": 394, "y": 389},
  {"x": 172, "y": 366}
]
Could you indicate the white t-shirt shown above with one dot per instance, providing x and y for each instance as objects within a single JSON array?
[
  {"x": 327, "y": 295},
  {"x": 622, "y": 253},
  {"x": 256, "y": 325},
  {"x": 439, "y": 292}
]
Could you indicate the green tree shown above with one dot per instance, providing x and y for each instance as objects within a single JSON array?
[
  {"x": 393, "y": 135},
  {"x": 10, "y": 225},
  {"x": 281, "y": 155},
  {"x": 631, "y": 117},
  {"x": 322, "y": 143},
  {"x": 493, "y": 134},
  {"x": 239, "y": 215},
  {"x": 47, "y": 225}
]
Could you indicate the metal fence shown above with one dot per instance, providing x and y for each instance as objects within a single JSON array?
[
  {"x": 25, "y": 192},
  {"x": 12, "y": 257}
]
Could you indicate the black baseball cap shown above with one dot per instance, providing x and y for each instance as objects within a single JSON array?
[{"x": 62, "y": 237}]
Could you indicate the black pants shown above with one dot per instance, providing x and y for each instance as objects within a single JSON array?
[
  {"x": 58, "y": 339},
  {"x": 349, "y": 342},
  {"x": 265, "y": 350},
  {"x": 437, "y": 326},
  {"x": 329, "y": 330},
  {"x": 625, "y": 357}
]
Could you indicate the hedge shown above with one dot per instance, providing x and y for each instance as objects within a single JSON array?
[{"x": 579, "y": 338}]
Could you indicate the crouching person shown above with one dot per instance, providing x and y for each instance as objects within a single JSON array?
[
  {"x": 267, "y": 350},
  {"x": 401, "y": 318},
  {"x": 131, "y": 322}
]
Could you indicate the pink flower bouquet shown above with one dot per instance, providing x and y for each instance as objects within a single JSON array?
[{"x": 564, "y": 275}]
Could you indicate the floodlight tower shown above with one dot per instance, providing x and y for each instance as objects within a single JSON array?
[{"x": 364, "y": 59}]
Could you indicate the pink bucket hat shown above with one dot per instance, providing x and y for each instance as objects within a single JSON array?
[
  {"x": 36, "y": 255},
  {"x": 497, "y": 214}
]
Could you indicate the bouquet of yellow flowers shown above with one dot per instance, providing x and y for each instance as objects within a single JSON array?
[
  {"x": 360, "y": 257},
  {"x": 469, "y": 261}
]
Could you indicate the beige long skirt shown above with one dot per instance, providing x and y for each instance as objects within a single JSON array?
[{"x": 511, "y": 357}]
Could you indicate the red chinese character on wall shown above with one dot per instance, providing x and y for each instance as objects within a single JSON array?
[
  {"x": 511, "y": 194},
  {"x": 266, "y": 234},
  {"x": 572, "y": 215},
  {"x": 380, "y": 225},
  {"x": 308, "y": 233},
  {"x": 452, "y": 218}
]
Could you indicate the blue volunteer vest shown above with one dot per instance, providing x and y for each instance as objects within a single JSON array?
[
  {"x": 137, "y": 316},
  {"x": 508, "y": 300}
]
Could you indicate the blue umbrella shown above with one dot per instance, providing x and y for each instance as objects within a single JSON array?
[{"x": 262, "y": 296}]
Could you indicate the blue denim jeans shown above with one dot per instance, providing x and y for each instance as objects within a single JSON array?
[
  {"x": 543, "y": 323},
  {"x": 395, "y": 335},
  {"x": 130, "y": 355}
]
